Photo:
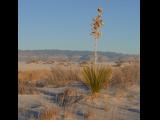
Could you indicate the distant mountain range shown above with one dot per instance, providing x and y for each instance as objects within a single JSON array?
[{"x": 69, "y": 55}]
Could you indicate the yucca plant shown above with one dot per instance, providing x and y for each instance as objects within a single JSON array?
[{"x": 96, "y": 76}]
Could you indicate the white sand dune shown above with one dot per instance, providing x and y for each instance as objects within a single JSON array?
[{"x": 124, "y": 105}]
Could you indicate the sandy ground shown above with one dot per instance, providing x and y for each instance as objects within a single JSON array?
[
  {"x": 111, "y": 104},
  {"x": 125, "y": 105}
]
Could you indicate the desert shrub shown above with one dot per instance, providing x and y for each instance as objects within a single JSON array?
[
  {"x": 116, "y": 78},
  {"x": 21, "y": 87},
  {"x": 33, "y": 74},
  {"x": 83, "y": 63},
  {"x": 131, "y": 74},
  {"x": 32, "y": 61},
  {"x": 66, "y": 100},
  {"x": 29, "y": 80},
  {"x": 126, "y": 76},
  {"x": 25, "y": 75},
  {"x": 69, "y": 115},
  {"x": 60, "y": 76},
  {"x": 40, "y": 83},
  {"x": 68, "y": 97},
  {"x": 26, "y": 87},
  {"x": 96, "y": 76},
  {"x": 74, "y": 74},
  {"x": 57, "y": 76},
  {"x": 49, "y": 114},
  {"x": 87, "y": 114}
]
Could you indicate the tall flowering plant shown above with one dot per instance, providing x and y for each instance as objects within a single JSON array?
[{"x": 96, "y": 33}]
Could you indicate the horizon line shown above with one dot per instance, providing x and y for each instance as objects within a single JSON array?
[{"x": 79, "y": 51}]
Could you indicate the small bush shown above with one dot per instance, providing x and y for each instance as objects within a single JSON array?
[
  {"x": 33, "y": 74},
  {"x": 61, "y": 76},
  {"x": 68, "y": 97},
  {"x": 32, "y": 61},
  {"x": 26, "y": 87},
  {"x": 126, "y": 76},
  {"x": 95, "y": 77},
  {"x": 49, "y": 114}
]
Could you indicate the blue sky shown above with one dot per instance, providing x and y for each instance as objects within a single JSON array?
[{"x": 66, "y": 25}]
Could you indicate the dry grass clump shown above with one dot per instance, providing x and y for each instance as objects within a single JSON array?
[
  {"x": 57, "y": 76},
  {"x": 60, "y": 76},
  {"x": 69, "y": 115},
  {"x": 32, "y": 61},
  {"x": 68, "y": 98},
  {"x": 33, "y": 74},
  {"x": 116, "y": 78},
  {"x": 49, "y": 114},
  {"x": 29, "y": 80},
  {"x": 126, "y": 76},
  {"x": 26, "y": 87}
]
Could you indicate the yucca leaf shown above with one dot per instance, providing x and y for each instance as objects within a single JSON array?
[{"x": 95, "y": 76}]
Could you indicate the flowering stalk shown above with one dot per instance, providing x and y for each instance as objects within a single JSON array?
[{"x": 96, "y": 25}]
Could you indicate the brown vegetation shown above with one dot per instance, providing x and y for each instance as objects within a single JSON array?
[
  {"x": 33, "y": 74},
  {"x": 49, "y": 114},
  {"x": 60, "y": 76},
  {"x": 126, "y": 75},
  {"x": 26, "y": 87}
]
